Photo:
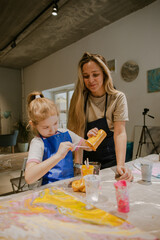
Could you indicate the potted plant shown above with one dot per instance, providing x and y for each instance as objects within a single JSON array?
[{"x": 23, "y": 136}]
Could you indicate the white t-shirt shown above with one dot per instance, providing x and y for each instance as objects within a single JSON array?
[{"x": 36, "y": 148}]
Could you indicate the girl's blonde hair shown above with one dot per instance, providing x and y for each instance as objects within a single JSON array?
[
  {"x": 39, "y": 108},
  {"x": 76, "y": 116}
]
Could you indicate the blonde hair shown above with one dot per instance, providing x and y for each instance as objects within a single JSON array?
[
  {"x": 76, "y": 116},
  {"x": 39, "y": 108}
]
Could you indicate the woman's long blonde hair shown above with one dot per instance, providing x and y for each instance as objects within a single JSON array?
[
  {"x": 76, "y": 116},
  {"x": 39, "y": 108}
]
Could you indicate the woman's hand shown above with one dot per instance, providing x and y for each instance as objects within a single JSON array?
[
  {"x": 64, "y": 148},
  {"x": 92, "y": 132},
  {"x": 86, "y": 147},
  {"x": 124, "y": 173}
]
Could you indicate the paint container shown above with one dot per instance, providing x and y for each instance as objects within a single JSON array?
[
  {"x": 97, "y": 167},
  {"x": 77, "y": 169},
  {"x": 122, "y": 196},
  {"x": 95, "y": 141},
  {"x": 146, "y": 170},
  {"x": 85, "y": 170},
  {"x": 92, "y": 185}
]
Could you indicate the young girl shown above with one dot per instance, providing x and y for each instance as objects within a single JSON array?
[{"x": 50, "y": 152}]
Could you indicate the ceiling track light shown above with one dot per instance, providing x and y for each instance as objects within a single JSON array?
[
  {"x": 13, "y": 44},
  {"x": 55, "y": 8},
  {"x": 40, "y": 18}
]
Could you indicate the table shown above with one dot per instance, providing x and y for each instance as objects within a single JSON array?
[{"x": 54, "y": 211}]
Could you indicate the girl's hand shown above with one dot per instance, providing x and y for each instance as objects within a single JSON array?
[
  {"x": 92, "y": 132},
  {"x": 124, "y": 173},
  {"x": 64, "y": 148}
]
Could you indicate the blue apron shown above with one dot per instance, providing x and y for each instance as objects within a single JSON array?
[
  {"x": 105, "y": 153},
  {"x": 64, "y": 168}
]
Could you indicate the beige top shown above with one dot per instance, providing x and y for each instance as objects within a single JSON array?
[{"x": 117, "y": 108}]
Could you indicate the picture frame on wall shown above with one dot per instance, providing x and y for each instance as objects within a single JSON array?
[
  {"x": 153, "y": 78},
  {"x": 112, "y": 65}
]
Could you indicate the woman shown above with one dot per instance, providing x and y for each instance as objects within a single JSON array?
[{"x": 97, "y": 104}]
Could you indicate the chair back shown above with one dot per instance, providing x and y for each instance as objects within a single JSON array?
[
  {"x": 9, "y": 139},
  {"x": 19, "y": 183},
  {"x": 24, "y": 164}
]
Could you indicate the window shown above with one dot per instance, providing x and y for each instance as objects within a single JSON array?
[{"x": 62, "y": 97}]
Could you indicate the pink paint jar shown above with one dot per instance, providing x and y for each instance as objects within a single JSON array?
[{"x": 122, "y": 196}]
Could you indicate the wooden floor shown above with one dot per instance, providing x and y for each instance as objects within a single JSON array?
[{"x": 10, "y": 166}]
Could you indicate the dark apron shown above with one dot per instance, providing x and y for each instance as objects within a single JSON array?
[
  {"x": 64, "y": 168},
  {"x": 105, "y": 153}
]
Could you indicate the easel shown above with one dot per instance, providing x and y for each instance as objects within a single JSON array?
[{"x": 143, "y": 134}]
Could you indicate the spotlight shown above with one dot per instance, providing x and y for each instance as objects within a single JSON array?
[
  {"x": 55, "y": 8},
  {"x": 13, "y": 44}
]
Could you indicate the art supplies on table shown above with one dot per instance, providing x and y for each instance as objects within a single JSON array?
[
  {"x": 155, "y": 168},
  {"x": 53, "y": 212}
]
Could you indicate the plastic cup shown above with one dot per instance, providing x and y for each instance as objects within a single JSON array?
[
  {"x": 92, "y": 184},
  {"x": 146, "y": 170},
  {"x": 122, "y": 196},
  {"x": 97, "y": 167}
]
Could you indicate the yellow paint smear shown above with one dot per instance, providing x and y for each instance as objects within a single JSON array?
[{"x": 70, "y": 206}]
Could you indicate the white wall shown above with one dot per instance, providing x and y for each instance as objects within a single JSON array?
[
  {"x": 10, "y": 97},
  {"x": 135, "y": 37}
]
